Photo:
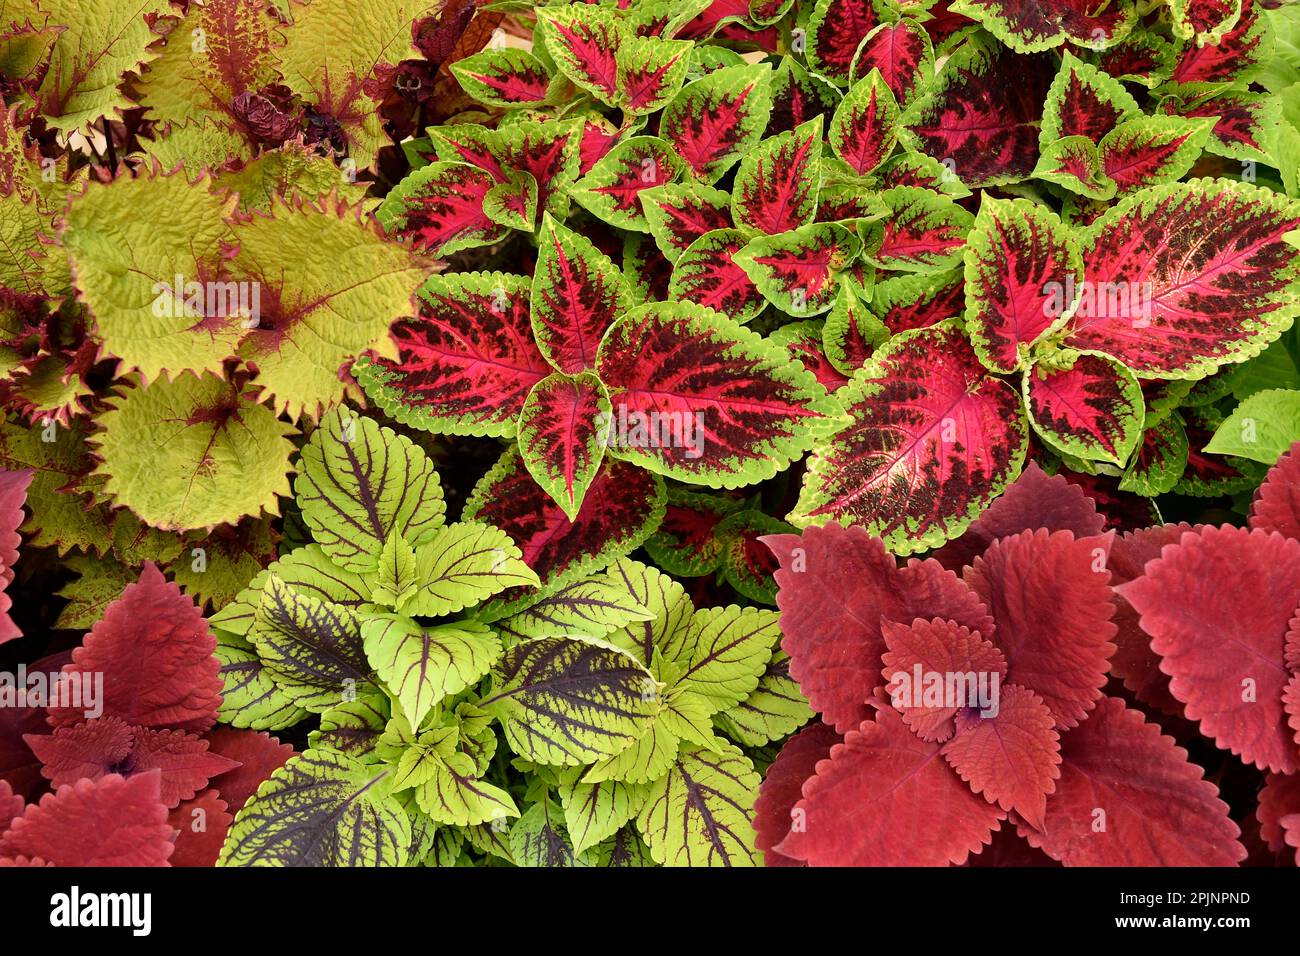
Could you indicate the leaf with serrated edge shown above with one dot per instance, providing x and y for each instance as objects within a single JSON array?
[
  {"x": 717, "y": 119},
  {"x": 1093, "y": 409},
  {"x": 611, "y": 189},
  {"x": 776, "y": 184},
  {"x": 798, "y": 271},
  {"x": 463, "y": 564},
  {"x": 562, "y": 431},
  {"x": 591, "y": 608}
]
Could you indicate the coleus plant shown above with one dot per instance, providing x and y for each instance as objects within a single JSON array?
[{"x": 612, "y": 693}]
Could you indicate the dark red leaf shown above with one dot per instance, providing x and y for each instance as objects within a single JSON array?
[{"x": 782, "y": 788}]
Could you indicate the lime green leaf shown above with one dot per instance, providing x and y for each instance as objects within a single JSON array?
[
  {"x": 463, "y": 564},
  {"x": 215, "y": 569},
  {"x": 354, "y": 727},
  {"x": 724, "y": 651},
  {"x": 193, "y": 453},
  {"x": 590, "y": 608},
  {"x": 395, "y": 578},
  {"x": 249, "y": 697},
  {"x": 625, "y": 849},
  {"x": 539, "y": 838},
  {"x": 455, "y": 795},
  {"x": 322, "y": 808},
  {"x": 596, "y": 811},
  {"x": 646, "y": 760},
  {"x": 98, "y": 584},
  {"x": 774, "y": 711},
  {"x": 664, "y": 599},
  {"x": 1261, "y": 428},
  {"x": 422, "y": 665},
  {"x": 293, "y": 168}
]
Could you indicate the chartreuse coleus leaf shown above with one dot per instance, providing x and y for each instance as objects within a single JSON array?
[
  {"x": 87, "y": 63},
  {"x": 923, "y": 231},
  {"x": 686, "y": 542},
  {"x": 1023, "y": 270},
  {"x": 1084, "y": 101},
  {"x": 677, "y": 214},
  {"x": 249, "y": 696},
  {"x": 291, "y": 168},
  {"x": 422, "y": 665},
  {"x": 584, "y": 43},
  {"x": 775, "y": 709},
  {"x": 1160, "y": 459},
  {"x": 508, "y": 77},
  {"x": 776, "y": 185},
  {"x": 577, "y": 294},
  {"x": 539, "y": 838},
  {"x": 1029, "y": 26},
  {"x": 933, "y": 439},
  {"x": 699, "y": 813},
  {"x": 98, "y": 584},
  {"x": 1091, "y": 408},
  {"x": 466, "y": 363},
  {"x": 215, "y": 568},
  {"x": 717, "y": 119},
  {"x": 193, "y": 453},
  {"x": 707, "y": 273},
  {"x": 132, "y": 242},
  {"x": 442, "y": 207},
  {"x": 354, "y": 727},
  {"x": 650, "y": 71},
  {"x": 799, "y": 271},
  {"x": 395, "y": 575},
  {"x": 462, "y": 564},
  {"x": 699, "y": 398},
  {"x": 850, "y": 332},
  {"x": 590, "y": 608},
  {"x": 448, "y": 781},
  {"x": 317, "y": 316},
  {"x": 360, "y": 483},
  {"x": 611, "y": 189},
  {"x": 560, "y": 435},
  {"x": 865, "y": 125},
  {"x": 1262, "y": 428},
  {"x": 563, "y": 701},
  {"x": 322, "y": 808},
  {"x": 311, "y": 648},
  {"x": 593, "y": 812},
  {"x": 219, "y": 50}
]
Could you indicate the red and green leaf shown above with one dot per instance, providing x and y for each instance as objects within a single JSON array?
[
  {"x": 1092, "y": 410},
  {"x": 440, "y": 207},
  {"x": 923, "y": 232},
  {"x": 508, "y": 77},
  {"x": 1075, "y": 163},
  {"x": 708, "y": 274},
  {"x": 776, "y": 185},
  {"x": 932, "y": 440},
  {"x": 718, "y": 118},
  {"x": 466, "y": 363},
  {"x": 687, "y": 542},
  {"x": 835, "y": 30},
  {"x": 909, "y": 302},
  {"x": 1084, "y": 101},
  {"x": 547, "y": 151},
  {"x": 1151, "y": 150},
  {"x": 680, "y": 213},
  {"x": 583, "y": 40},
  {"x": 1160, "y": 459},
  {"x": 1029, "y": 26},
  {"x": 803, "y": 340},
  {"x": 1238, "y": 52},
  {"x": 850, "y": 333},
  {"x": 903, "y": 54},
  {"x": 561, "y": 437},
  {"x": 798, "y": 96},
  {"x": 865, "y": 125},
  {"x": 1244, "y": 124},
  {"x": 798, "y": 271},
  {"x": 1206, "y": 21},
  {"x": 650, "y": 72},
  {"x": 611, "y": 190}
]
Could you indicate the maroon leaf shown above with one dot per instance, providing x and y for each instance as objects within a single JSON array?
[
  {"x": 13, "y": 492},
  {"x": 706, "y": 273},
  {"x": 1277, "y": 503},
  {"x": 713, "y": 121},
  {"x": 782, "y": 788},
  {"x": 835, "y": 30},
  {"x": 201, "y": 826},
  {"x": 901, "y": 52},
  {"x": 258, "y": 755}
]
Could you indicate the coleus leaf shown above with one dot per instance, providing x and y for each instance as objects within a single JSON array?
[
  {"x": 508, "y": 77},
  {"x": 679, "y": 213},
  {"x": 1205, "y": 20},
  {"x": 708, "y": 273},
  {"x": 201, "y": 825},
  {"x": 932, "y": 440},
  {"x": 776, "y": 184},
  {"x": 1225, "y": 659},
  {"x": 568, "y": 702},
  {"x": 560, "y": 435},
  {"x": 1159, "y": 461},
  {"x": 798, "y": 271},
  {"x": 595, "y": 811},
  {"x": 923, "y": 231},
  {"x": 1142, "y": 57},
  {"x": 1022, "y": 264},
  {"x": 982, "y": 114},
  {"x": 466, "y": 363},
  {"x": 463, "y": 564},
  {"x": 13, "y": 492},
  {"x": 547, "y": 151},
  {"x": 1128, "y": 796},
  {"x": 590, "y": 608},
  {"x": 1029, "y": 26},
  {"x": 258, "y": 755},
  {"x": 1277, "y": 503},
  {"x": 782, "y": 788},
  {"x": 723, "y": 652},
  {"x": 1243, "y": 125},
  {"x": 718, "y": 118},
  {"x": 798, "y": 96},
  {"x": 622, "y": 507},
  {"x": 737, "y": 409},
  {"x": 774, "y": 710},
  {"x": 650, "y": 71},
  {"x": 903, "y": 54},
  {"x": 354, "y": 728},
  {"x": 835, "y": 29},
  {"x": 577, "y": 294},
  {"x": 1233, "y": 57},
  {"x": 698, "y": 814},
  {"x": 686, "y": 542},
  {"x": 887, "y": 798},
  {"x": 322, "y": 808},
  {"x": 905, "y": 302},
  {"x": 584, "y": 42},
  {"x": 865, "y": 124},
  {"x": 850, "y": 332},
  {"x": 1208, "y": 475},
  {"x": 661, "y": 18},
  {"x": 1092, "y": 410},
  {"x": 1163, "y": 318},
  {"x": 442, "y": 208},
  {"x": 359, "y": 484},
  {"x": 113, "y": 821},
  {"x": 1261, "y": 428},
  {"x": 421, "y": 666},
  {"x": 1151, "y": 150},
  {"x": 308, "y": 570},
  {"x": 155, "y": 653},
  {"x": 803, "y": 340},
  {"x": 193, "y": 453},
  {"x": 1075, "y": 163},
  {"x": 610, "y": 190},
  {"x": 250, "y": 696},
  {"x": 1084, "y": 101}
]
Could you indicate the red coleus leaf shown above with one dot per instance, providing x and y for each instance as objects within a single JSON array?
[
  {"x": 697, "y": 397},
  {"x": 1084, "y": 101},
  {"x": 850, "y": 333},
  {"x": 803, "y": 340},
  {"x": 1049, "y": 593},
  {"x": 504, "y": 77},
  {"x": 258, "y": 755},
  {"x": 1032, "y": 25},
  {"x": 836, "y": 586},
  {"x": 718, "y": 118},
  {"x": 1242, "y": 123},
  {"x": 584, "y": 42},
  {"x": 1022, "y": 266},
  {"x": 932, "y": 440},
  {"x": 901, "y": 52},
  {"x": 776, "y": 185},
  {"x": 113, "y": 821},
  {"x": 706, "y": 273},
  {"x": 887, "y": 798},
  {"x": 562, "y": 435},
  {"x": 13, "y": 493},
  {"x": 183, "y": 759},
  {"x": 864, "y": 127},
  {"x": 612, "y": 189},
  {"x": 577, "y": 293},
  {"x": 466, "y": 363},
  {"x": 782, "y": 788},
  {"x": 1128, "y": 796},
  {"x": 1277, "y": 503},
  {"x": 835, "y": 30},
  {"x": 798, "y": 271},
  {"x": 1182, "y": 278},
  {"x": 598, "y": 138},
  {"x": 11, "y": 805},
  {"x": 981, "y": 116},
  {"x": 1092, "y": 410},
  {"x": 1224, "y": 652},
  {"x": 546, "y": 151},
  {"x": 1151, "y": 150},
  {"x": 155, "y": 653},
  {"x": 201, "y": 825},
  {"x": 936, "y": 647},
  {"x": 918, "y": 301},
  {"x": 1240, "y": 49},
  {"x": 1279, "y": 811},
  {"x": 440, "y": 207},
  {"x": 1011, "y": 757},
  {"x": 686, "y": 542},
  {"x": 924, "y": 231},
  {"x": 91, "y": 750},
  {"x": 1204, "y": 19},
  {"x": 680, "y": 213},
  {"x": 798, "y": 96}
]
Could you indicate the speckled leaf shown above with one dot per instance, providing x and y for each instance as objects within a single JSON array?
[{"x": 923, "y": 231}]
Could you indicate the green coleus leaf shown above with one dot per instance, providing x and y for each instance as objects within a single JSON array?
[
  {"x": 590, "y": 608},
  {"x": 1262, "y": 428},
  {"x": 722, "y": 652},
  {"x": 1092, "y": 409},
  {"x": 421, "y": 666},
  {"x": 322, "y": 808},
  {"x": 680, "y": 213},
  {"x": 317, "y": 316},
  {"x": 354, "y": 727},
  {"x": 359, "y": 484},
  {"x": 306, "y": 570},
  {"x": 593, "y": 812},
  {"x": 451, "y": 790},
  {"x": 666, "y": 601},
  {"x": 1160, "y": 459},
  {"x": 923, "y": 231},
  {"x": 798, "y": 271},
  {"x": 647, "y": 760},
  {"x": 97, "y": 585},
  {"x": 1151, "y": 150},
  {"x": 508, "y": 77},
  {"x": 611, "y": 189},
  {"x": 193, "y": 453},
  {"x": 569, "y": 702},
  {"x": 773, "y": 711},
  {"x": 249, "y": 696},
  {"x": 699, "y": 813},
  {"x": 708, "y": 273},
  {"x": 865, "y": 125},
  {"x": 463, "y": 564},
  {"x": 650, "y": 71},
  {"x": 292, "y": 168},
  {"x": 776, "y": 185},
  {"x": 539, "y": 838},
  {"x": 514, "y": 202},
  {"x": 1206, "y": 21},
  {"x": 395, "y": 578},
  {"x": 214, "y": 569},
  {"x": 561, "y": 438},
  {"x": 1075, "y": 163},
  {"x": 1084, "y": 101},
  {"x": 718, "y": 118}
]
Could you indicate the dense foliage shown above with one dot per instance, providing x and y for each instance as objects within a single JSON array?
[{"x": 482, "y": 433}]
